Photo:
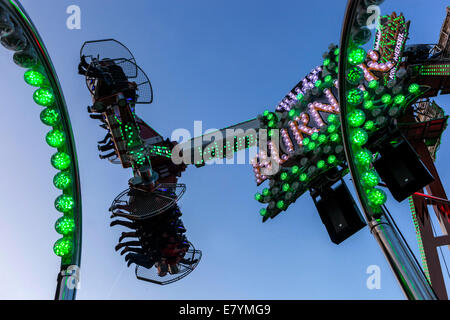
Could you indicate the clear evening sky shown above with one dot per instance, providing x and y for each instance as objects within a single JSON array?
[{"x": 220, "y": 62}]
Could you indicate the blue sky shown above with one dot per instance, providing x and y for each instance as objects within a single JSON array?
[{"x": 221, "y": 62}]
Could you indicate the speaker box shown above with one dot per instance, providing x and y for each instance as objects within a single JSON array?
[
  {"x": 339, "y": 213},
  {"x": 402, "y": 170}
]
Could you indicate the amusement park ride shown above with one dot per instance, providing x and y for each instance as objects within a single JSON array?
[{"x": 365, "y": 111}]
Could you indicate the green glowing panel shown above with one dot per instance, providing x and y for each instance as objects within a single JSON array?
[
  {"x": 63, "y": 247},
  {"x": 62, "y": 180},
  {"x": 55, "y": 138},
  {"x": 44, "y": 97},
  {"x": 60, "y": 161},
  {"x": 65, "y": 226}
]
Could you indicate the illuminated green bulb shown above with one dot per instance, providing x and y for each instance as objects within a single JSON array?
[
  {"x": 354, "y": 75},
  {"x": 271, "y": 123},
  {"x": 314, "y": 136},
  {"x": 55, "y": 138},
  {"x": 359, "y": 136},
  {"x": 369, "y": 125},
  {"x": 266, "y": 192},
  {"x": 326, "y": 62},
  {"x": 266, "y": 113},
  {"x": 414, "y": 88},
  {"x": 368, "y": 105},
  {"x": 332, "y": 128},
  {"x": 34, "y": 78},
  {"x": 332, "y": 118},
  {"x": 318, "y": 83},
  {"x": 322, "y": 138},
  {"x": 284, "y": 176},
  {"x": 356, "y": 56},
  {"x": 270, "y": 116},
  {"x": 370, "y": 178},
  {"x": 303, "y": 177},
  {"x": 295, "y": 169},
  {"x": 62, "y": 180},
  {"x": 332, "y": 159},
  {"x": 364, "y": 157},
  {"x": 286, "y": 187},
  {"x": 65, "y": 225},
  {"x": 386, "y": 98},
  {"x": 355, "y": 97},
  {"x": 50, "y": 117},
  {"x": 60, "y": 161},
  {"x": 292, "y": 113},
  {"x": 335, "y": 137},
  {"x": 373, "y": 84},
  {"x": 336, "y": 51},
  {"x": 399, "y": 99},
  {"x": 258, "y": 196},
  {"x": 300, "y": 97},
  {"x": 280, "y": 204},
  {"x": 376, "y": 197},
  {"x": 321, "y": 164},
  {"x": 63, "y": 247},
  {"x": 356, "y": 118},
  {"x": 64, "y": 203},
  {"x": 328, "y": 79},
  {"x": 306, "y": 141},
  {"x": 263, "y": 212},
  {"x": 44, "y": 97},
  {"x": 311, "y": 146}
]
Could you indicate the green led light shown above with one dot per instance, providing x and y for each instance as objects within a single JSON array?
[
  {"x": 335, "y": 137},
  {"x": 332, "y": 118},
  {"x": 62, "y": 180},
  {"x": 354, "y": 75},
  {"x": 376, "y": 197},
  {"x": 65, "y": 226},
  {"x": 369, "y": 125},
  {"x": 266, "y": 113},
  {"x": 34, "y": 78},
  {"x": 368, "y": 105},
  {"x": 263, "y": 212},
  {"x": 322, "y": 138},
  {"x": 44, "y": 97},
  {"x": 373, "y": 84},
  {"x": 386, "y": 98},
  {"x": 280, "y": 204},
  {"x": 332, "y": 159},
  {"x": 63, "y": 247},
  {"x": 332, "y": 128},
  {"x": 295, "y": 169},
  {"x": 64, "y": 203},
  {"x": 303, "y": 177},
  {"x": 356, "y": 118},
  {"x": 336, "y": 51},
  {"x": 55, "y": 138},
  {"x": 60, "y": 161},
  {"x": 306, "y": 141},
  {"x": 292, "y": 113},
  {"x": 286, "y": 187},
  {"x": 414, "y": 88},
  {"x": 370, "y": 178},
  {"x": 50, "y": 117},
  {"x": 258, "y": 196},
  {"x": 271, "y": 124},
  {"x": 311, "y": 146},
  {"x": 321, "y": 164},
  {"x": 300, "y": 97},
  {"x": 355, "y": 97},
  {"x": 326, "y": 62},
  {"x": 318, "y": 83},
  {"x": 284, "y": 176},
  {"x": 356, "y": 56},
  {"x": 270, "y": 116},
  {"x": 266, "y": 192},
  {"x": 314, "y": 136},
  {"x": 399, "y": 99},
  {"x": 364, "y": 157},
  {"x": 359, "y": 137},
  {"x": 328, "y": 79}
]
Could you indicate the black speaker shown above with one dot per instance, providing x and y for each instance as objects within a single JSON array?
[
  {"x": 339, "y": 213},
  {"x": 402, "y": 170}
]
